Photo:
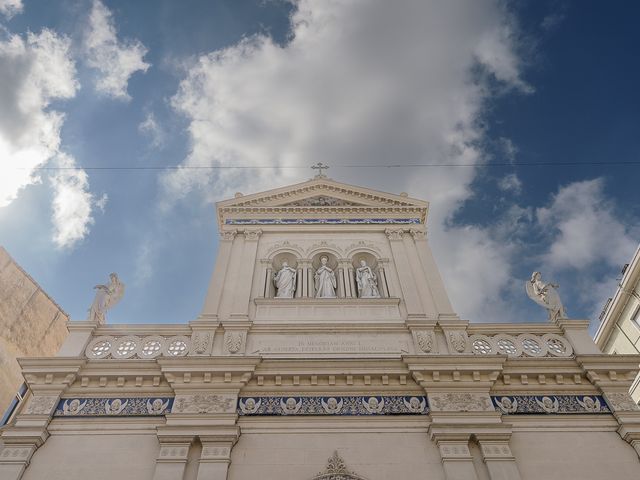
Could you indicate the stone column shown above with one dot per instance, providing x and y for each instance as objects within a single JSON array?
[
  {"x": 382, "y": 281},
  {"x": 299, "y": 280},
  {"x": 352, "y": 281},
  {"x": 216, "y": 286},
  {"x": 340, "y": 278},
  {"x": 348, "y": 293},
  {"x": 269, "y": 289},
  {"x": 311, "y": 289}
]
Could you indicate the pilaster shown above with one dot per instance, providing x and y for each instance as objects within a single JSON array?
[
  {"x": 407, "y": 282},
  {"x": 47, "y": 379},
  {"x": 216, "y": 285},
  {"x": 613, "y": 375},
  {"x": 206, "y": 395}
]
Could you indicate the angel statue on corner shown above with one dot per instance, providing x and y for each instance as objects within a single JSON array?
[
  {"x": 106, "y": 297},
  {"x": 545, "y": 295}
]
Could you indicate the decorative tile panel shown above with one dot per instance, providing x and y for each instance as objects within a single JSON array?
[
  {"x": 348, "y": 405},
  {"x": 528, "y": 404},
  {"x": 113, "y": 407}
]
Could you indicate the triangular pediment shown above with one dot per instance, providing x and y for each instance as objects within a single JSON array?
[
  {"x": 322, "y": 192},
  {"x": 321, "y": 201}
]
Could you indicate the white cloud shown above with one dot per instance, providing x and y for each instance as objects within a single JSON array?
[
  {"x": 72, "y": 203},
  {"x": 359, "y": 83},
  {"x": 150, "y": 127},
  {"x": 33, "y": 72},
  {"x": 510, "y": 183},
  {"x": 9, "y": 8},
  {"x": 114, "y": 60},
  {"x": 585, "y": 229}
]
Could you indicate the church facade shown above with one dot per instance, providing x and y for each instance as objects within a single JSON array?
[{"x": 327, "y": 348}]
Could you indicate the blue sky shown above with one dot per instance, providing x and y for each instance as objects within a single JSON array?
[{"x": 496, "y": 86}]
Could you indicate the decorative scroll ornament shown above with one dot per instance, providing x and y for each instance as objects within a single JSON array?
[
  {"x": 622, "y": 402},
  {"x": 425, "y": 341},
  {"x": 336, "y": 469},
  {"x": 200, "y": 342},
  {"x": 233, "y": 341},
  {"x": 458, "y": 341},
  {"x": 204, "y": 403},
  {"x": 41, "y": 405},
  {"x": 460, "y": 402}
]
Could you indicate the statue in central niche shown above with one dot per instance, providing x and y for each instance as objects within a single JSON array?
[
  {"x": 285, "y": 281},
  {"x": 367, "y": 281},
  {"x": 325, "y": 280}
]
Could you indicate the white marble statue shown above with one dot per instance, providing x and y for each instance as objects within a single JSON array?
[
  {"x": 106, "y": 297},
  {"x": 367, "y": 281},
  {"x": 545, "y": 295},
  {"x": 325, "y": 280},
  {"x": 285, "y": 281}
]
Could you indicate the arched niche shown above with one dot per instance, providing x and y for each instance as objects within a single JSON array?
[
  {"x": 332, "y": 260},
  {"x": 368, "y": 257},
  {"x": 284, "y": 256}
]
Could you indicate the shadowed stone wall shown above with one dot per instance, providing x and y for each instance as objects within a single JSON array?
[{"x": 31, "y": 324}]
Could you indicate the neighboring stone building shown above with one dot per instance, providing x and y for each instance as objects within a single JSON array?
[
  {"x": 619, "y": 329},
  {"x": 31, "y": 325},
  {"x": 392, "y": 386}
]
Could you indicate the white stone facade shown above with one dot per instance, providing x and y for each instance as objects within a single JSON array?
[{"x": 260, "y": 387}]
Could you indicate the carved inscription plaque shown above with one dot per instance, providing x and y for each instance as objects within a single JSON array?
[{"x": 329, "y": 344}]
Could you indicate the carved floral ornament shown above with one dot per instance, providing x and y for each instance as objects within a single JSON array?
[{"x": 336, "y": 469}]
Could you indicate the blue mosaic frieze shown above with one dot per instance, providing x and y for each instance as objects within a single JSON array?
[
  {"x": 549, "y": 404},
  {"x": 308, "y": 221},
  {"x": 349, "y": 405},
  {"x": 113, "y": 407}
]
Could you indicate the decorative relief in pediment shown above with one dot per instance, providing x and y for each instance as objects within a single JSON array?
[
  {"x": 322, "y": 201},
  {"x": 336, "y": 469}
]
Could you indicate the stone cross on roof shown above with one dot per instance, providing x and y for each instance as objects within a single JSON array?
[{"x": 320, "y": 166}]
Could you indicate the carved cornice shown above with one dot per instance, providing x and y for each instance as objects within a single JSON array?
[{"x": 302, "y": 192}]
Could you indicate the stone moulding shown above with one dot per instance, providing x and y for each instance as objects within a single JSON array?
[
  {"x": 336, "y": 405},
  {"x": 550, "y": 404},
  {"x": 108, "y": 407},
  {"x": 321, "y": 221}
]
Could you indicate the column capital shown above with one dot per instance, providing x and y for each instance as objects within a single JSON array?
[
  {"x": 252, "y": 234},
  {"x": 394, "y": 233},
  {"x": 228, "y": 235}
]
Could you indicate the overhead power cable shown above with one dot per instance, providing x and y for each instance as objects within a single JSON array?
[{"x": 399, "y": 165}]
